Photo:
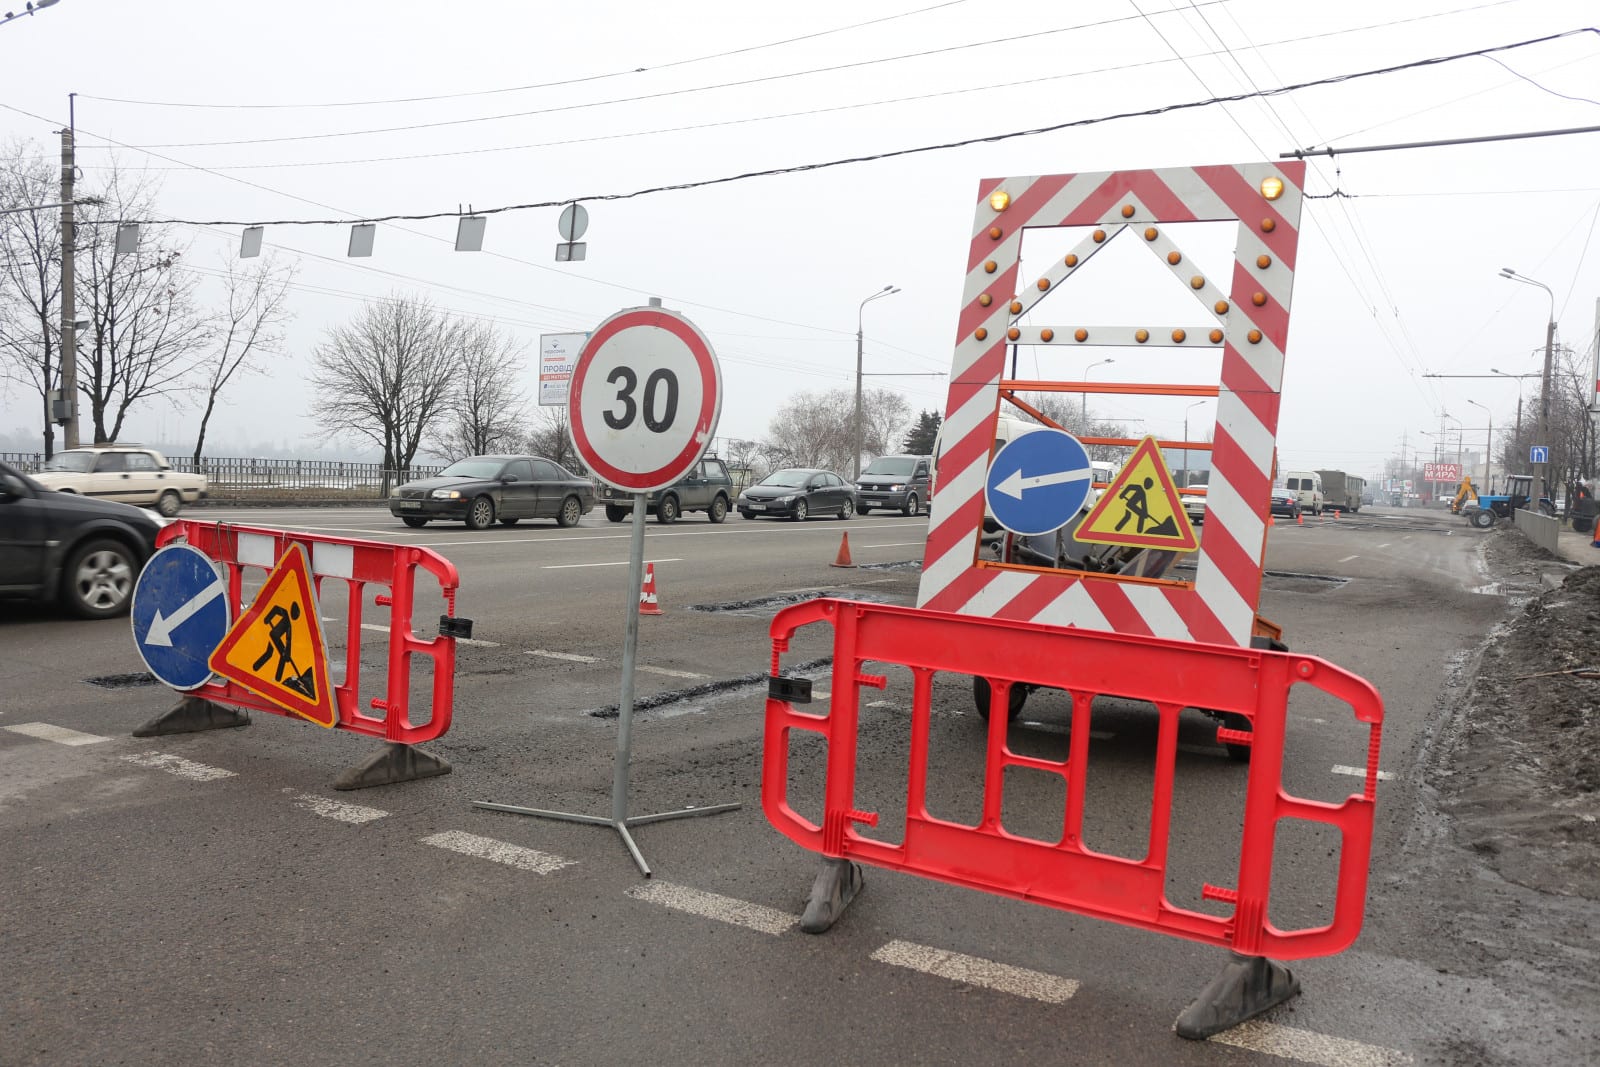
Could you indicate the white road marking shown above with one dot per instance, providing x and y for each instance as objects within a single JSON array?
[
  {"x": 616, "y": 563},
  {"x": 572, "y": 656},
  {"x": 882, "y": 704},
  {"x": 183, "y": 768},
  {"x": 59, "y": 734},
  {"x": 715, "y": 906},
  {"x": 329, "y": 808},
  {"x": 667, "y": 673},
  {"x": 376, "y": 627},
  {"x": 1308, "y": 1047},
  {"x": 971, "y": 970},
  {"x": 772, "y": 530},
  {"x": 1386, "y": 544},
  {"x": 1361, "y": 772},
  {"x": 487, "y": 848},
  {"x": 1347, "y": 559},
  {"x": 896, "y": 544}
]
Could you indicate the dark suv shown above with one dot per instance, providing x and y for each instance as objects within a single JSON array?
[
  {"x": 898, "y": 482},
  {"x": 706, "y": 488}
]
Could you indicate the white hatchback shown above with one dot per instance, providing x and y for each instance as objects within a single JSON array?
[{"x": 125, "y": 473}]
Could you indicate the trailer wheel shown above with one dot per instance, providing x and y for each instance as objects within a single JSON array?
[{"x": 982, "y": 696}]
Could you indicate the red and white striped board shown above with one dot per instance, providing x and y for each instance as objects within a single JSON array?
[{"x": 1219, "y": 606}]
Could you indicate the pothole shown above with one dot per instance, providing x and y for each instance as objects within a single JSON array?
[
  {"x": 771, "y": 605},
  {"x": 124, "y": 681},
  {"x": 674, "y": 702}
]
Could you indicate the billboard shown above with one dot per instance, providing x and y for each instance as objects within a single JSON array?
[
  {"x": 557, "y": 354},
  {"x": 1441, "y": 472}
]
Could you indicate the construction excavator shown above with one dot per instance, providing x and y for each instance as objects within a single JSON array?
[{"x": 1465, "y": 493}]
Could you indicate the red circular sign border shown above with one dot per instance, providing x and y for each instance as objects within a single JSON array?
[{"x": 710, "y": 401}]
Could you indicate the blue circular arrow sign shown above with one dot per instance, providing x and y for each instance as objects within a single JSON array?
[
  {"x": 180, "y": 614},
  {"x": 1038, "y": 482}
]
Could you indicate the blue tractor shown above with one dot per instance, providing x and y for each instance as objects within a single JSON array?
[{"x": 1502, "y": 505}]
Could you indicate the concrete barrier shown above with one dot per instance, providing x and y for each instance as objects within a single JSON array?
[{"x": 1542, "y": 530}]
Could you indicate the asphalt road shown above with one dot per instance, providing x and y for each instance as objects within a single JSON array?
[{"x": 209, "y": 896}]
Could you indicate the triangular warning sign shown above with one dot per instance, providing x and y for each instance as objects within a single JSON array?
[
  {"x": 276, "y": 649},
  {"x": 1141, "y": 507}
]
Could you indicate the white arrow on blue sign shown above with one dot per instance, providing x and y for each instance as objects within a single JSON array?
[
  {"x": 1538, "y": 454},
  {"x": 1038, "y": 482},
  {"x": 180, "y": 614}
]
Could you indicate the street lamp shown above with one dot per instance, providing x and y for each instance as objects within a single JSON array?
[
  {"x": 1186, "y": 411},
  {"x": 887, "y": 290},
  {"x": 1488, "y": 446},
  {"x": 1086, "y": 370},
  {"x": 1519, "y": 378},
  {"x": 1541, "y": 484}
]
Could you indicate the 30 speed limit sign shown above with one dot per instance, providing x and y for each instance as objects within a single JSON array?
[{"x": 646, "y": 392}]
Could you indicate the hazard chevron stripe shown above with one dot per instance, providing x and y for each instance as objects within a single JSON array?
[{"x": 1220, "y": 604}]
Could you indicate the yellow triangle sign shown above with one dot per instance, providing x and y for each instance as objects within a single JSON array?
[
  {"x": 1141, "y": 507},
  {"x": 276, "y": 649}
]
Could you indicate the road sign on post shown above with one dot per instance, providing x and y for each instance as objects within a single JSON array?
[
  {"x": 1038, "y": 482},
  {"x": 1538, "y": 454},
  {"x": 179, "y": 615},
  {"x": 645, "y": 395}
]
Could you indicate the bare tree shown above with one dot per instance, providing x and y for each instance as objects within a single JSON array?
[
  {"x": 30, "y": 275},
  {"x": 249, "y": 324},
  {"x": 551, "y": 437},
  {"x": 817, "y": 429},
  {"x": 145, "y": 326},
  {"x": 387, "y": 376},
  {"x": 486, "y": 408}
]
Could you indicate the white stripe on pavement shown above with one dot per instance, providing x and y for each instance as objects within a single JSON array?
[
  {"x": 572, "y": 656},
  {"x": 668, "y": 673},
  {"x": 715, "y": 906},
  {"x": 614, "y": 563},
  {"x": 1347, "y": 559},
  {"x": 329, "y": 808},
  {"x": 1361, "y": 772},
  {"x": 487, "y": 848},
  {"x": 59, "y": 734},
  {"x": 183, "y": 768},
  {"x": 1308, "y": 1047},
  {"x": 971, "y": 970}
]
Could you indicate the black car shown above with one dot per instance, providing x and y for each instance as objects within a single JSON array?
[
  {"x": 1285, "y": 502},
  {"x": 481, "y": 489},
  {"x": 707, "y": 487},
  {"x": 798, "y": 493},
  {"x": 75, "y": 550}
]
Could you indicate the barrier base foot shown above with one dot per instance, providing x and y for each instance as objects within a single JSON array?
[
  {"x": 396, "y": 763},
  {"x": 1247, "y": 986},
  {"x": 191, "y": 715},
  {"x": 836, "y": 886}
]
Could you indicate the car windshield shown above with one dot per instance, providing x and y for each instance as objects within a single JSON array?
[
  {"x": 473, "y": 468},
  {"x": 788, "y": 479},
  {"x": 894, "y": 466},
  {"x": 77, "y": 462}
]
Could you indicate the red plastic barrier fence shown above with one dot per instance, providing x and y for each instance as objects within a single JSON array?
[
  {"x": 1172, "y": 675},
  {"x": 358, "y": 564}
]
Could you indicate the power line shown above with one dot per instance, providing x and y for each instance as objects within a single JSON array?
[
  {"x": 580, "y": 80},
  {"x": 872, "y": 157}
]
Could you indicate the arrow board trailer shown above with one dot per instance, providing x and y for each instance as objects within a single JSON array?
[{"x": 180, "y": 614}]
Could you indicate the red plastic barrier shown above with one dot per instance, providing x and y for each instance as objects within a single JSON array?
[
  {"x": 394, "y": 567},
  {"x": 1172, "y": 675}
]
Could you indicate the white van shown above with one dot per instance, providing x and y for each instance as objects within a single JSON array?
[
  {"x": 1307, "y": 489},
  {"x": 1008, "y": 428}
]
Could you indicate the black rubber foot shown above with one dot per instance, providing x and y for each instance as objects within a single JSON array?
[
  {"x": 836, "y": 886},
  {"x": 396, "y": 763},
  {"x": 1247, "y": 986},
  {"x": 192, "y": 715}
]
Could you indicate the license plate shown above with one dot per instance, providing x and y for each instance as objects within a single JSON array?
[
  {"x": 410, "y": 503},
  {"x": 756, "y": 507}
]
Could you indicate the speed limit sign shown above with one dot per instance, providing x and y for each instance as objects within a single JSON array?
[{"x": 646, "y": 392}]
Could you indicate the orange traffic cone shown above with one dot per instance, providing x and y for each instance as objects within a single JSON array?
[
  {"x": 1336, "y": 514},
  {"x": 843, "y": 558},
  {"x": 647, "y": 594},
  {"x": 1299, "y": 518}
]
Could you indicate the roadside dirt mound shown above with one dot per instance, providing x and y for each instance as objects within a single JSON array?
[{"x": 1521, "y": 779}]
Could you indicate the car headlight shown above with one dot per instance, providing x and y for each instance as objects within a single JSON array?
[
  {"x": 897, "y": 488},
  {"x": 446, "y": 494},
  {"x": 786, "y": 499}
]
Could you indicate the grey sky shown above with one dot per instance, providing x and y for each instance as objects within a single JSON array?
[{"x": 1397, "y": 280}]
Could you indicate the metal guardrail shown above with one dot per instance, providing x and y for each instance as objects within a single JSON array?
[{"x": 235, "y": 477}]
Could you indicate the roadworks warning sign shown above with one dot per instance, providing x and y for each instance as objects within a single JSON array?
[
  {"x": 1141, "y": 507},
  {"x": 277, "y": 650}
]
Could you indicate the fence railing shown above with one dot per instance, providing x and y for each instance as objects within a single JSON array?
[{"x": 233, "y": 478}]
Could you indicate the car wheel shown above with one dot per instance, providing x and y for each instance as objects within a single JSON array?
[
  {"x": 571, "y": 511},
  {"x": 98, "y": 582},
  {"x": 509, "y": 522},
  {"x": 719, "y": 509},
  {"x": 864, "y": 509},
  {"x": 846, "y": 510},
  {"x": 982, "y": 697},
  {"x": 169, "y": 503},
  {"x": 746, "y": 514},
  {"x": 615, "y": 513},
  {"x": 913, "y": 506},
  {"x": 414, "y": 522},
  {"x": 667, "y": 510},
  {"x": 800, "y": 511},
  {"x": 480, "y": 513}
]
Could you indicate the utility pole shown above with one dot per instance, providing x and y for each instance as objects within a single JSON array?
[{"x": 69, "y": 306}]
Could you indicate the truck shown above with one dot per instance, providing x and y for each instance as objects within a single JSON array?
[{"x": 1341, "y": 492}]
